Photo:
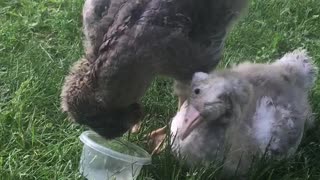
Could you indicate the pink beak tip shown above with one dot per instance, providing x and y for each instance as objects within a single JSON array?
[{"x": 190, "y": 122}]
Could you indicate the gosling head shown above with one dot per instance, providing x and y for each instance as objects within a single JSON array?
[{"x": 219, "y": 97}]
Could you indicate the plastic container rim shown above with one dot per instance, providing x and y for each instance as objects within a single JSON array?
[{"x": 117, "y": 155}]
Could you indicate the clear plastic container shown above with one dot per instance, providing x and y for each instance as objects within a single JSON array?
[{"x": 116, "y": 159}]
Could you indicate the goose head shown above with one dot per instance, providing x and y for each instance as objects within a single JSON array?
[{"x": 213, "y": 98}]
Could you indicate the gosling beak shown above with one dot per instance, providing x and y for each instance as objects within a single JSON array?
[{"x": 191, "y": 120}]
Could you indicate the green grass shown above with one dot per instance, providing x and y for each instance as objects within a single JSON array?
[{"x": 39, "y": 39}]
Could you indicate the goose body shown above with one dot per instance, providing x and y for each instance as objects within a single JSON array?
[
  {"x": 129, "y": 42},
  {"x": 248, "y": 110}
]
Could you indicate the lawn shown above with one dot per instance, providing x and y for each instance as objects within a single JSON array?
[{"x": 39, "y": 39}]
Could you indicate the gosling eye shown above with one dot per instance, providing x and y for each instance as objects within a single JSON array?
[{"x": 197, "y": 91}]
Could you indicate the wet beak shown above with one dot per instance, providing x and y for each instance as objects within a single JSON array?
[{"x": 191, "y": 120}]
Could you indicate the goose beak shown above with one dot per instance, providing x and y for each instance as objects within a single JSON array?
[{"x": 191, "y": 120}]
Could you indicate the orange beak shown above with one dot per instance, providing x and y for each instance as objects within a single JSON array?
[{"x": 192, "y": 119}]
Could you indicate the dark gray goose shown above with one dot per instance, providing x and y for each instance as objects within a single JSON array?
[
  {"x": 248, "y": 110},
  {"x": 129, "y": 42}
]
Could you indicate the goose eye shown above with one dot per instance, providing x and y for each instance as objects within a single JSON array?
[{"x": 197, "y": 91}]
